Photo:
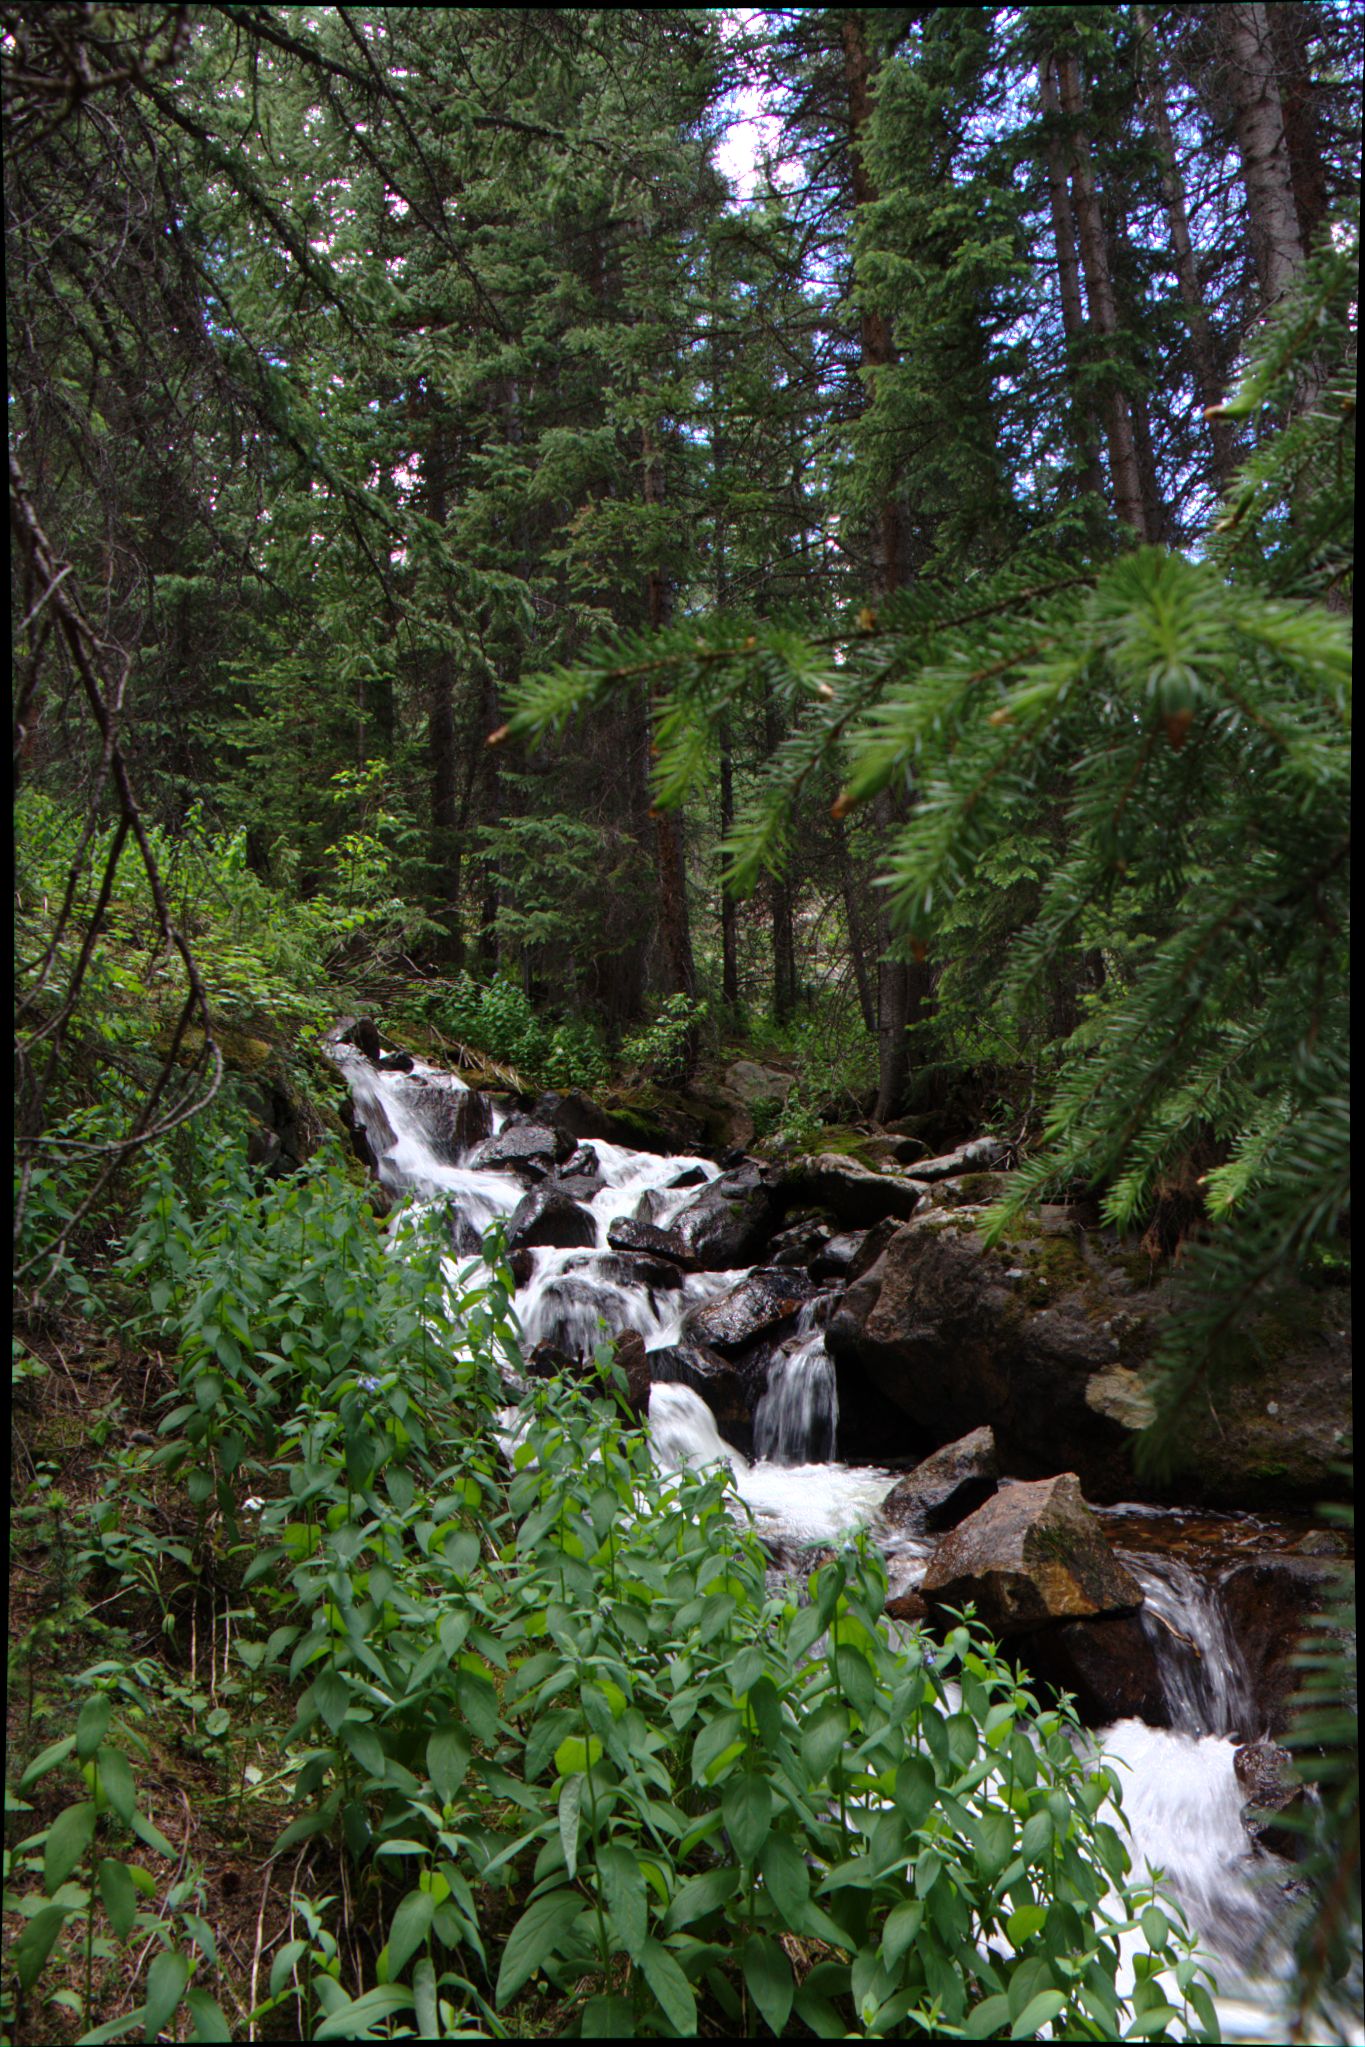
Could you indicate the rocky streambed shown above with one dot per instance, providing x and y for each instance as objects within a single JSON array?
[{"x": 838, "y": 1330}]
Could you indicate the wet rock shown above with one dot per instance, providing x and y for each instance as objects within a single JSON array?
[
  {"x": 978, "y": 1156},
  {"x": 1268, "y": 1602},
  {"x": 396, "y": 1062},
  {"x": 581, "y": 1186},
  {"x": 454, "y": 1120},
  {"x": 1108, "y": 1664},
  {"x": 1048, "y": 1336},
  {"x": 631, "y": 1269},
  {"x": 364, "y": 1035},
  {"x": 465, "y": 1240},
  {"x": 1275, "y": 1797},
  {"x": 948, "y": 1486},
  {"x": 582, "y": 1160},
  {"x": 527, "y": 1149},
  {"x": 649, "y": 1207},
  {"x": 549, "y": 1216},
  {"x": 547, "y": 1361},
  {"x": 834, "y": 1259},
  {"x": 575, "y": 1116},
  {"x": 761, "y": 1302},
  {"x": 727, "y": 1223},
  {"x": 692, "y": 1176},
  {"x": 1034, "y": 1553},
  {"x": 358, "y": 1133},
  {"x": 716, "y": 1379},
  {"x": 625, "y": 1234},
  {"x": 852, "y": 1193},
  {"x": 801, "y": 1244},
  {"x": 633, "y": 1359},
  {"x": 906, "y": 1606}
]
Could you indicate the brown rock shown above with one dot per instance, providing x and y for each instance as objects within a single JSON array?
[
  {"x": 633, "y": 1359},
  {"x": 1275, "y": 1796},
  {"x": 1108, "y": 1664},
  {"x": 948, "y": 1486},
  {"x": 625, "y": 1234},
  {"x": 853, "y": 1194},
  {"x": 760, "y": 1302},
  {"x": 727, "y": 1223},
  {"x": 719, "y": 1382},
  {"x": 1268, "y": 1602},
  {"x": 1034, "y": 1553},
  {"x": 548, "y": 1216}
]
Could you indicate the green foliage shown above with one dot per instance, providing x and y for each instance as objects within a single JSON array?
[
  {"x": 496, "y": 1018},
  {"x": 553, "y": 1715},
  {"x": 662, "y": 1050}
]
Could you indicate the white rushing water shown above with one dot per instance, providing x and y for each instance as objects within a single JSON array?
[{"x": 1180, "y": 1797}]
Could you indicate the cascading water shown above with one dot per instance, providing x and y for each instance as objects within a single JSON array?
[{"x": 1181, "y": 1799}]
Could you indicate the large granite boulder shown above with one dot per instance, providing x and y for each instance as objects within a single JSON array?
[
  {"x": 624, "y": 1233},
  {"x": 727, "y": 1223},
  {"x": 980, "y": 1155},
  {"x": 720, "y": 1382},
  {"x": 529, "y": 1150},
  {"x": 852, "y": 1193},
  {"x": 1048, "y": 1338},
  {"x": 1274, "y": 1813},
  {"x": 454, "y": 1119},
  {"x": 1033, "y": 1554},
  {"x": 761, "y": 1302},
  {"x": 1268, "y": 1603},
  {"x": 547, "y": 1215},
  {"x": 946, "y": 1487}
]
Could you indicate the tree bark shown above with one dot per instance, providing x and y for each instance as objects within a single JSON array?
[
  {"x": 1291, "y": 31},
  {"x": 902, "y": 991},
  {"x": 444, "y": 836},
  {"x": 1083, "y": 429},
  {"x": 668, "y": 824},
  {"x": 1208, "y": 383},
  {"x": 855, "y": 938},
  {"x": 1124, "y": 471},
  {"x": 1259, "y": 123}
]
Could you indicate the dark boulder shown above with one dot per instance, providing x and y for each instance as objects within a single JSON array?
[
  {"x": 853, "y": 1194},
  {"x": 718, "y": 1381},
  {"x": 1048, "y": 1336},
  {"x": 835, "y": 1258},
  {"x": 396, "y": 1062},
  {"x": 800, "y": 1244},
  {"x": 581, "y": 1186},
  {"x": 1033, "y": 1554},
  {"x": 549, "y": 1216},
  {"x": 728, "y": 1222},
  {"x": 577, "y": 1117},
  {"x": 691, "y": 1176},
  {"x": 364, "y": 1035},
  {"x": 633, "y": 1269},
  {"x": 1107, "y": 1663},
  {"x": 948, "y": 1486},
  {"x": 526, "y": 1149},
  {"x": 758, "y": 1305},
  {"x": 1274, "y": 1812},
  {"x": 1268, "y": 1603},
  {"x": 454, "y": 1119},
  {"x": 978, "y": 1156},
  {"x": 465, "y": 1240},
  {"x": 633, "y": 1359},
  {"x": 583, "y": 1160},
  {"x": 547, "y": 1361},
  {"x": 624, "y": 1234}
]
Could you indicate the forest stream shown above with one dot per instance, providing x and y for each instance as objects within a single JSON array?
[{"x": 1182, "y": 1798}]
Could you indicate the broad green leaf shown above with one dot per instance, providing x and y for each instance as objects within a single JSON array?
[
  {"x": 119, "y": 1893},
  {"x": 67, "y": 1840},
  {"x": 787, "y": 1876},
  {"x": 901, "y": 1930},
  {"x": 1023, "y": 1924},
  {"x": 823, "y": 1741},
  {"x": 31, "y": 1950},
  {"x": 768, "y": 1974},
  {"x": 1036, "y": 2013},
  {"x": 747, "y": 1805},
  {"x": 92, "y": 1724},
  {"x": 623, "y": 1888},
  {"x": 700, "y": 1895},
  {"x": 570, "y": 1810},
  {"x": 575, "y": 1756},
  {"x": 166, "y": 1980},
  {"x": 670, "y": 1986},
  {"x": 116, "y": 1782},
  {"x": 537, "y": 1934},
  {"x": 410, "y": 1926},
  {"x": 986, "y": 2018},
  {"x": 209, "y": 2023}
]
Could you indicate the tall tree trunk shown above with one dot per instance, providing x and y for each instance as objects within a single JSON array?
[
  {"x": 729, "y": 931},
  {"x": 1099, "y": 290},
  {"x": 855, "y": 936},
  {"x": 668, "y": 824},
  {"x": 1208, "y": 383},
  {"x": 444, "y": 836},
  {"x": 902, "y": 991},
  {"x": 1084, "y": 433},
  {"x": 1291, "y": 34},
  {"x": 1261, "y": 142}
]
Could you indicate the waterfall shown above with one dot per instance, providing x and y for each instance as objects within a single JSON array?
[
  {"x": 1181, "y": 1800},
  {"x": 798, "y": 1412}
]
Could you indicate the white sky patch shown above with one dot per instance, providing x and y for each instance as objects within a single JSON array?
[{"x": 750, "y": 131}]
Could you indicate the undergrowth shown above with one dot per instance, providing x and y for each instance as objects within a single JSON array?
[{"x": 538, "y": 1745}]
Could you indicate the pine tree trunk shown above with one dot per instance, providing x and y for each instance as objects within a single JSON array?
[
  {"x": 1083, "y": 430},
  {"x": 1208, "y": 383},
  {"x": 901, "y": 991},
  {"x": 1099, "y": 290},
  {"x": 855, "y": 940},
  {"x": 729, "y": 909},
  {"x": 668, "y": 824},
  {"x": 1291, "y": 31},
  {"x": 1261, "y": 141},
  {"x": 444, "y": 836}
]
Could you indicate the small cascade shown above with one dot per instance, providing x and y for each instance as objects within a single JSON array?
[
  {"x": 798, "y": 1412},
  {"x": 1204, "y": 1675}
]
